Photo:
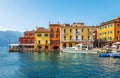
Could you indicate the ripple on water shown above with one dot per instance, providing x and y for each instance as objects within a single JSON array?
[{"x": 57, "y": 65}]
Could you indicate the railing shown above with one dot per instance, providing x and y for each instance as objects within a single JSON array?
[
  {"x": 64, "y": 32},
  {"x": 77, "y": 32},
  {"x": 77, "y": 40}
]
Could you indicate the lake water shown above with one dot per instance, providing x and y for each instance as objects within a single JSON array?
[{"x": 56, "y": 65}]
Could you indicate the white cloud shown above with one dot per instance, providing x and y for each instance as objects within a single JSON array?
[{"x": 3, "y": 28}]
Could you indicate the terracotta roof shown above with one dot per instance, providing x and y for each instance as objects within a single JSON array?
[
  {"x": 32, "y": 31},
  {"x": 41, "y": 29},
  {"x": 54, "y": 24},
  {"x": 111, "y": 21}
]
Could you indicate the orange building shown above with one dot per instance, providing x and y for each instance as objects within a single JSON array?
[
  {"x": 117, "y": 29},
  {"x": 109, "y": 32},
  {"x": 54, "y": 36}
]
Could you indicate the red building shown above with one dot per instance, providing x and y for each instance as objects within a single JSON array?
[
  {"x": 54, "y": 36},
  {"x": 27, "y": 42}
]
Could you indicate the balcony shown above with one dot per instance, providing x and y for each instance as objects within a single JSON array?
[
  {"x": 77, "y": 32},
  {"x": 64, "y": 33},
  {"x": 90, "y": 33},
  {"x": 77, "y": 40}
]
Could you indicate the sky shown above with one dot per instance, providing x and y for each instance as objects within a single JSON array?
[{"x": 24, "y": 15}]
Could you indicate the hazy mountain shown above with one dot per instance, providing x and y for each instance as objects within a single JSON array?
[{"x": 9, "y": 36}]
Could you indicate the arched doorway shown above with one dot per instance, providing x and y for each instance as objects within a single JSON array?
[
  {"x": 70, "y": 44},
  {"x": 64, "y": 45},
  {"x": 39, "y": 48},
  {"x": 55, "y": 47},
  {"x": 46, "y": 47}
]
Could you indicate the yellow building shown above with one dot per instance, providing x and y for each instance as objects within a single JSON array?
[
  {"x": 76, "y": 33},
  {"x": 105, "y": 32},
  {"x": 108, "y": 32},
  {"x": 42, "y": 39}
]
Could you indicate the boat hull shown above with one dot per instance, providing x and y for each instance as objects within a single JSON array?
[
  {"x": 77, "y": 51},
  {"x": 114, "y": 55}
]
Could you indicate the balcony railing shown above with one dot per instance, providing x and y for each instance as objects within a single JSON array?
[
  {"x": 77, "y": 32},
  {"x": 89, "y": 32},
  {"x": 78, "y": 40}
]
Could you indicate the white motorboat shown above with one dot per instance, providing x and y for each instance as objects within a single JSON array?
[{"x": 79, "y": 48}]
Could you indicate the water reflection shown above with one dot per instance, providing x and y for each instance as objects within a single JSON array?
[{"x": 57, "y": 65}]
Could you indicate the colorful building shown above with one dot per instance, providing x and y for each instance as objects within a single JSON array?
[
  {"x": 54, "y": 36},
  {"x": 109, "y": 32},
  {"x": 42, "y": 39},
  {"x": 59, "y": 36},
  {"x": 27, "y": 42},
  {"x": 72, "y": 34}
]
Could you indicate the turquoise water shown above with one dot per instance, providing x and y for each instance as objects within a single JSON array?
[{"x": 56, "y": 65}]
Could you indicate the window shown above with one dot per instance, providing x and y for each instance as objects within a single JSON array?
[
  {"x": 38, "y": 41},
  {"x": 28, "y": 41},
  {"x": 82, "y": 30},
  {"x": 46, "y": 42},
  {"x": 110, "y": 25},
  {"x": 118, "y": 24},
  {"x": 57, "y": 30},
  {"x": 70, "y": 44},
  {"x": 88, "y": 37},
  {"x": 109, "y": 38},
  {"x": 118, "y": 31},
  {"x": 118, "y": 37},
  {"x": 76, "y": 30},
  {"x": 31, "y": 41},
  {"x": 64, "y": 45},
  {"x": 104, "y": 32},
  {"x": 64, "y": 30},
  {"x": 70, "y": 37},
  {"x": 51, "y": 29},
  {"x": 99, "y": 28},
  {"x": 23, "y": 41},
  {"x": 51, "y": 35},
  {"x": 109, "y": 32},
  {"x": 82, "y": 37},
  {"x": 57, "y": 35},
  {"x": 88, "y": 30},
  {"x": 64, "y": 37},
  {"x": 39, "y": 35},
  {"x": 76, "y": 37},
  {"x": 46, "y": 35},
  {"x": 104, "y": 39},
  {"x": 70, "y": 30}
]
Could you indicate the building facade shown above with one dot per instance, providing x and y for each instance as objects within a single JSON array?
[
  {"x": 72, "y": 34},
  {"x": 27, "y": 42},
  {"x": 54, "y": 36},
  {"x": 109, "y": 32},
  {"x": 42, "y": 39}
]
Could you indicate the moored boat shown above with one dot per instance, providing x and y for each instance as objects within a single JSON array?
[
  {"x": 79, "y": 48},
  {"x": 114, "y": 55}
]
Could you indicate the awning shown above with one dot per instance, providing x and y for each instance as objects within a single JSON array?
[
  {"x": 13, "y": 44},
  {"x": 26, "y": 44},
  {"x": 117, "y": 43}
]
